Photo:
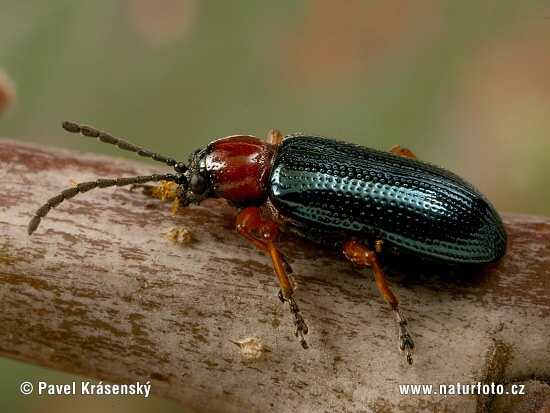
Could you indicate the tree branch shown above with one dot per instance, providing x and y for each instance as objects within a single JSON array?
[{"x": 99, "y": 290}]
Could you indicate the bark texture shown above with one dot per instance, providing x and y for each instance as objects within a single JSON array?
[{"x": 100, "y": 290}]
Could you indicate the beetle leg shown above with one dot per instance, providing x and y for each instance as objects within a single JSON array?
[
  {"x": 299, "y": 323},
  {"x": 250, "y": 219},
  {"x": 274, "y": 137},
  {"x": 359, "y": 254},
  {"x": 398, "y": 150}
]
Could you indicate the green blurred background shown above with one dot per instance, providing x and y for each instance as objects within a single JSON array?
[{"x": 464, "y": 84}]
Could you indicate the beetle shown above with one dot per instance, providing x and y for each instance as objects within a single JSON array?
[{"x": 364, "y": 200}]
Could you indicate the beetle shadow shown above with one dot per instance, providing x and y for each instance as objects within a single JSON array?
[
  {"x": 416, "y": 271},
  {"x": 411, "y": 270}
]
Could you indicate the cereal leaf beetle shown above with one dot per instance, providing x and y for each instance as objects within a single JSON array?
[{"x": 329, "y": 191}]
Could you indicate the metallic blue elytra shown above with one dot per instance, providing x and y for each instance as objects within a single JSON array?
[{"x": 329, "y": 190}]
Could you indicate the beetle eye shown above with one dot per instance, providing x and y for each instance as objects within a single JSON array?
[
  {"x": 197, "y": 184},
  {"x": 180, "y": 167}
]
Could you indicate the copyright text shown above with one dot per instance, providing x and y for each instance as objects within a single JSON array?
[{"x": 86, "y": 388}]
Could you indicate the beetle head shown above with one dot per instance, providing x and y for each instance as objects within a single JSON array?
[{"x": 195, "y": 184}]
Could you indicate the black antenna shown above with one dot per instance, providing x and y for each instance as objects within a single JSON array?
[
  {"x": 120, "y": 143},
  {"x": 106, "y": 183},
  {"x": 87, "y": 186}
]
